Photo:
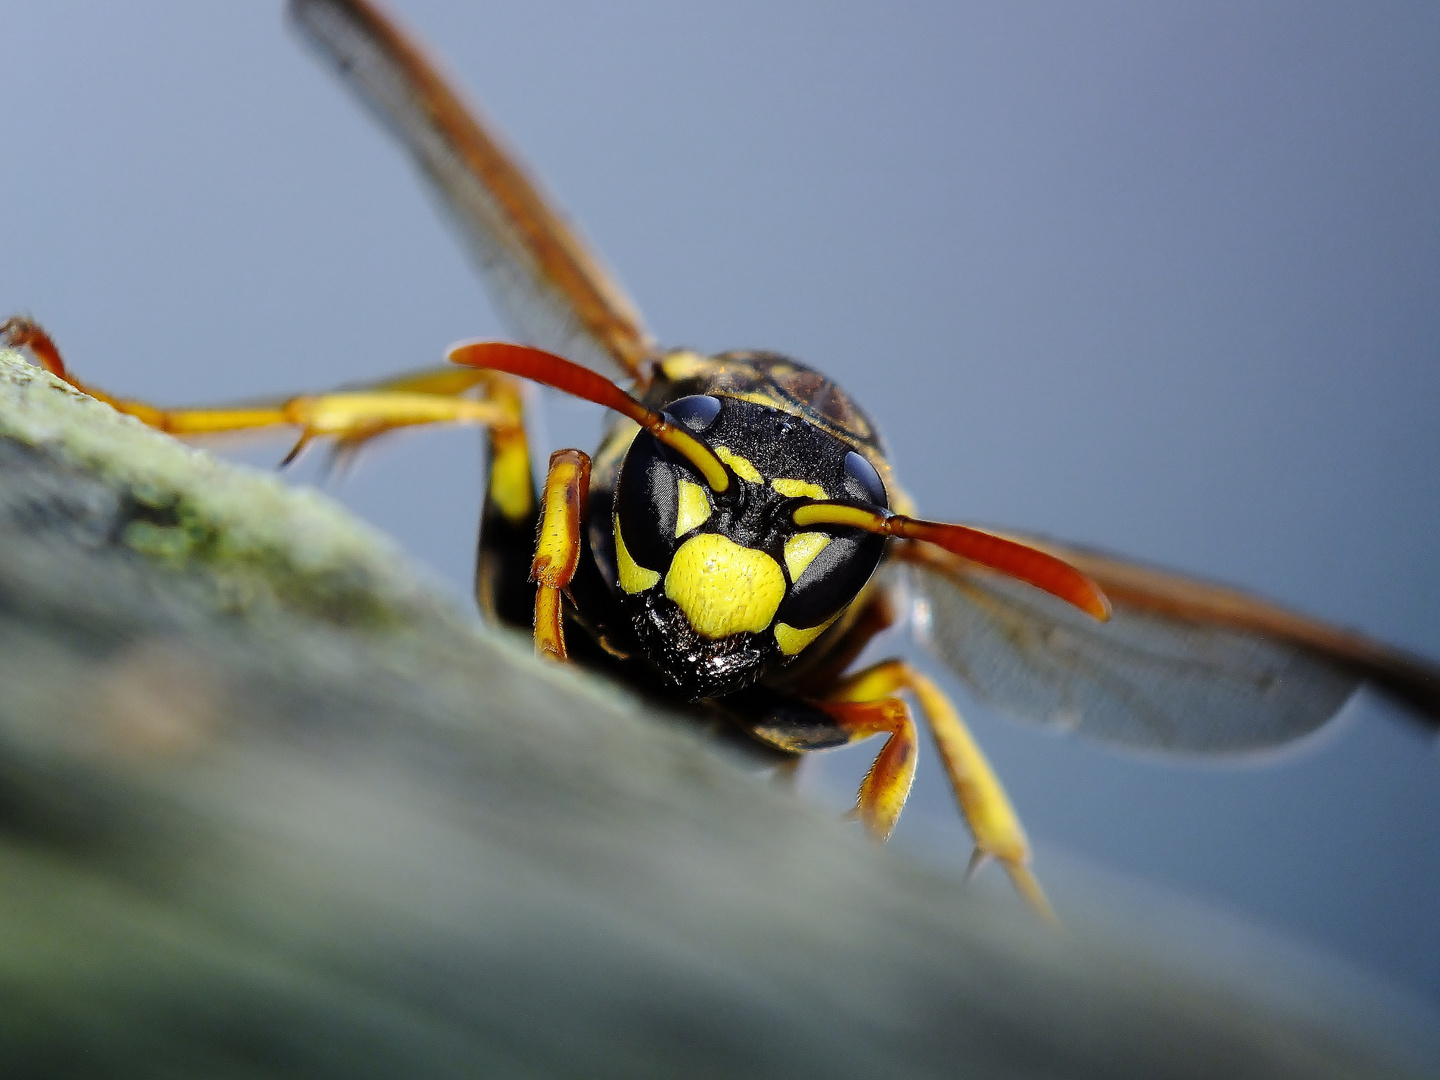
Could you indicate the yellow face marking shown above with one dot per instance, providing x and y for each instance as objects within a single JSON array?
[
  {"x": 724, "y": 588},
  {"x": 791, "y": 641},
  {"x": 800, "y": 551},
  {"x": 634, "y": 578},
  {"x": 694, "y": 508},
  {"x": 798, "y": 489},
  {"x": 739, "y": 465}
]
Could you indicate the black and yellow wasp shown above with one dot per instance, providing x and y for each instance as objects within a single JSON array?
[{"x": 740, "y": 536}]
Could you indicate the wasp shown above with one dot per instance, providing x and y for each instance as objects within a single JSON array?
[{"x": 740, "y": 535}]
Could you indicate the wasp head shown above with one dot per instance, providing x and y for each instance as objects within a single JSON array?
[{"x": 722, "y": 588}]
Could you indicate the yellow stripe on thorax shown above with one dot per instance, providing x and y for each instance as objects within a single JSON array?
[{"x": 686, "y": 365}]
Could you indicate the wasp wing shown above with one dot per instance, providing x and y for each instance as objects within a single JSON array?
[
  {"x": 1183, "y": 666},
  {"x": 548, "y": 286}
]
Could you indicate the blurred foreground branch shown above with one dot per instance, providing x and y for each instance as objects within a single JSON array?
[{"x": 268, "y": 807}]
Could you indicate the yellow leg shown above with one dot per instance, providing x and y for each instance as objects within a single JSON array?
[
  {"x": 983, "y": 802},
  {"x": 350, "y": 417},
  {"x": 887, "y": 785},
  {"x": 557, "y": 550},
  {"x": 434, "y": 395}
]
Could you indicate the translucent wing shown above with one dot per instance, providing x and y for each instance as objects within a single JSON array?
[
  {"x": 1183, "y": 666},
  {"x": 549, "y": 288}
]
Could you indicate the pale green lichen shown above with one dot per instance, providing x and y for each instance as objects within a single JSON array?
[{"x": 190, "y": 508}]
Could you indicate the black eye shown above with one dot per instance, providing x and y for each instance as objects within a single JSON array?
[
  {"x": 863, "y": 481},
  {"x": 833, "y": 579},
  {"x": 697, "y": 412},
  {"x": 646, "y": 502}
]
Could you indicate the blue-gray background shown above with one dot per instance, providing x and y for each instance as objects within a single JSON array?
[{"x": 1161, "y": 278}]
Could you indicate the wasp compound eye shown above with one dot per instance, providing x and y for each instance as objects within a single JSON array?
[
  {"x": 697, "y": 412},
  {"x": 862, "y": 481},
  {"x": 827, "y": 570},
  {"x": 657, "y": 500}
]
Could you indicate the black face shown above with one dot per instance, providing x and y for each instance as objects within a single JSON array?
[{"x": 723, "y": 588}]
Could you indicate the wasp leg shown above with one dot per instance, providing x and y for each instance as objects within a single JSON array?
[
  {"x": 798, "y": 726},
  {"x": 510, "y": 519},
  {"x": 983, "y": 802},
  {"x": 887, "y": 785},
  {"x": 866, "y": 704},
  {"x": 350, "y": 417},
  {"x": 557, "y": 550}
]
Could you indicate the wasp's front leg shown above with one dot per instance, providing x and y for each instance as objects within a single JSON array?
[{"x": 557, "y": 549}]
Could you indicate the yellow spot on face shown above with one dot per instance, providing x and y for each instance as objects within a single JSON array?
[
  {"x": 739, "y": 465},
  {"x": 791, "y": 641},
  {"x": 724, "y": 588},
  {"x": 694, "y": 508},
  {"x": 798, "y": 489},
  {"x": 634, "y": 578},
  {"x": 800, "y": 551}
]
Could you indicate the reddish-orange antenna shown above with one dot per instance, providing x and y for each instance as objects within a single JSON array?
[
  {"x": 1010, "y": 557},
  {"x": 548, "y": 369}
]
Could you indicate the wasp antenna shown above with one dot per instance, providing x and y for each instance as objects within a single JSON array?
[
  {"x": 546, "y": 368},
  {"x": 1009, "y": 557}
]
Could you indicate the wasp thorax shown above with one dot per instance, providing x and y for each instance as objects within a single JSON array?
[{"x": 724, "y": 587}]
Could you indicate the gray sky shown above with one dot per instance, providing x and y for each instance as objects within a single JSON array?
[{"x": 1160, "y": 278}]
